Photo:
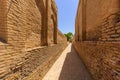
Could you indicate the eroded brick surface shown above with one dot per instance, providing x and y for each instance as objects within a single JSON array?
[
  {"x": 97, "y": 37},
  {"x": 26, "y": 26},
  {"x": 102, "y": 59}
]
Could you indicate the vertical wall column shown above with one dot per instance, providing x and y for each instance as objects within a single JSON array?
[
  {"x": 55, "y": 20},
  {"x": 77, "y": 21},
  {"x": 3, "y": 19},
  {"x": 44, "y": 25},
  {"x": 84, "y": 20},
  {"x": 56, "y": 28},
  {"x": 52, "y": 22},
  {"x": 46, "y": 28},
  {"x": 43, "y": 9}
]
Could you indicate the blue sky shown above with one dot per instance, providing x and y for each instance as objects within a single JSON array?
[{"x": 66, "y": 15}]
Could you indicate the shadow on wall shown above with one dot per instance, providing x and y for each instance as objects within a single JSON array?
[
  {"x": 2, "y": 40},
  {"x": 73, "y": 68}
]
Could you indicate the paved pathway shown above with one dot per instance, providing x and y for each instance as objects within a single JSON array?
[{"x": 68, "y": 67}]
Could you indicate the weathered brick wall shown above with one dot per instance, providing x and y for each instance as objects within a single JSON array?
[
  {"x": 33, "y": 24},
  {"x": 25, "y": 29},
  {"x": 61, "y": 38},
  {"x": 111, "y": 28},
  {"x": 51, "y": 27},
  {"x": 78, "y": 23},
  {"x": 52, "y": 22},
  {"x": 104, "y": 19},
  {"x": 101, "y": 59},
  {"x": 12, "y": 49},
  {"x": 36, "y": 63},
  {"x": 41, "y": 65},
  {"x": 9, "y": 58},
  {"x": 32, "y": 65},
  {"x": 16, "y": 23},
  {"x": 97, "y": 37},
  {"x": 24, "y": 23},
  {"x": 89, "y": 23}
]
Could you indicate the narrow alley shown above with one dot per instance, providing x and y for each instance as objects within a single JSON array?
[
  {"x": 68, "y": 67},
  {"x": 34, "y": 37}
]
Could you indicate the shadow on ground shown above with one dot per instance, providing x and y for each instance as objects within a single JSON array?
[{"x": 73, "y": 68}]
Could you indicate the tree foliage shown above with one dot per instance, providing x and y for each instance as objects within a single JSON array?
[{"x": 69, "y": 36}]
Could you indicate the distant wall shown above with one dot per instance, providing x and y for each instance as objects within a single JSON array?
[{"x": 61, "y": 38}]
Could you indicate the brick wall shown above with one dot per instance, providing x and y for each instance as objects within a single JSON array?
[
  {"x": 97, "y": 37},
  {"x": 24, "y": 24},
  {"x": 34, "y": 23},
  {"x": 61, "y": 38},
  {"x": 36, "y": 63},
  {"x": 26, "y": 31},
  {"x": 111, "y": 28},
  {"x": 88, "y": 23},
  {"x": 101, "y": 59},
  {"x": 52, "y": 22},
  {"x": 48, "y": 55}
]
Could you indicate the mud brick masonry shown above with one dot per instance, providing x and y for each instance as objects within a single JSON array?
[
  {"x": 97, "y": 37},
  {"x": 30, "y": 41},
  {"x": 29, "y": 38}
]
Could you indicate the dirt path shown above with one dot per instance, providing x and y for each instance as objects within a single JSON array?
[{"x": 68, "y": 67}]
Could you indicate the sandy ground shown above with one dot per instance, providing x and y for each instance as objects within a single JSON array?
[{"x": 68, "y": 67}]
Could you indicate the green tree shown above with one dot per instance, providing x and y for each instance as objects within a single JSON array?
[{"x": 69, "y": 36}]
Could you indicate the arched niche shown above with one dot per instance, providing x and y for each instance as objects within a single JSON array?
[{"x": 42, "y": 9}]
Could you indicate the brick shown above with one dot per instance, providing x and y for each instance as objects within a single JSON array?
[
  {"x": 27, "y": 26},
  {"x": 97, "y": 37}
]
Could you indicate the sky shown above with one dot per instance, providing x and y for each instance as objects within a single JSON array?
[{"x": 66, "y": 15}]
